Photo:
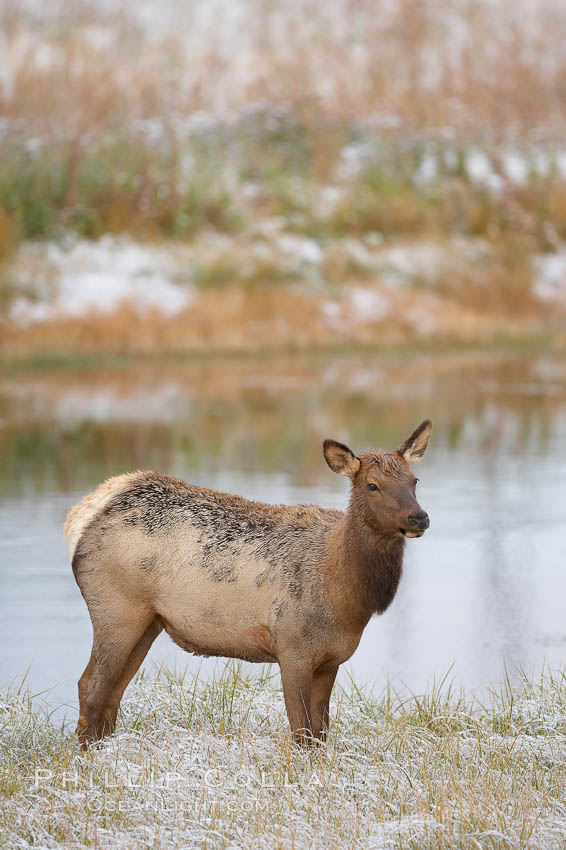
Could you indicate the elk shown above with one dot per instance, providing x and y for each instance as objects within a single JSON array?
[{"x": 224, "y": 576}]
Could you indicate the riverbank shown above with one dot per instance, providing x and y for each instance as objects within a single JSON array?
[
  {"x": 212, "y": 765},
  {"x": 268, "y": 290},
  {"x": 225, "y": 198}
]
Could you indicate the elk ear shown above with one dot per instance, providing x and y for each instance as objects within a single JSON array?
[
  {"x": 414, "y": 447},
  {"x": 340, "y": 459}
]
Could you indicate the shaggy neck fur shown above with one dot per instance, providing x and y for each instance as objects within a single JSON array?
[{"x": 371, "y": 566}]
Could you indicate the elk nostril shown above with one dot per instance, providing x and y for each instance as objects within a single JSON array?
[{"x": 419, "y": 521}]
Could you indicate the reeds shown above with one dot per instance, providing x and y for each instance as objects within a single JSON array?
[
  {"x": 373, "y": 121},
  {"x": 117, "y": 121}
]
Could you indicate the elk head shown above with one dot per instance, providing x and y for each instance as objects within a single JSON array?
[{"x": 383, "y": 484}]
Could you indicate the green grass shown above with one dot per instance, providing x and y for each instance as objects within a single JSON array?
[
  {"x": 211, "y": 764},
  {"x": 124, "y": 183},
  {"x": 118, "y": 185}
]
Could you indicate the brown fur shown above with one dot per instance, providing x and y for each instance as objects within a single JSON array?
[{"x": 225, "y": 576}]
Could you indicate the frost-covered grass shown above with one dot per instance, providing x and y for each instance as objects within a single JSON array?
[{"x": 211, "y": 765}]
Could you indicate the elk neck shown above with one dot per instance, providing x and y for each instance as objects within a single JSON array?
[{"x": 367, "y": 566}]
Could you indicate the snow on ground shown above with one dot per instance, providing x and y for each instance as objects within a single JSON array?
[
  {"x": 97, "y": 277},
  {"x": 369, "y": 305},
  {"x": 211, "y": 764},
  {"x": 356, "y": 279},
  {"x": 550, "y": 276}
]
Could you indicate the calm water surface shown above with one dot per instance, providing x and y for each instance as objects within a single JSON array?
[{"x": 485, "y": 588}]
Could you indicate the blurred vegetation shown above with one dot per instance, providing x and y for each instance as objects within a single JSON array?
[
  {"x": 256, "y": 111},
  {"x": 268, "y": 165},
  {"x": 331, "y": 121}
]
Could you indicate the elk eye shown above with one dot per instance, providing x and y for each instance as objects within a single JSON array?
[{"x": 373, "y": 487}]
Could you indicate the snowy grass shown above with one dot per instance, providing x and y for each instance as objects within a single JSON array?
[
  {"x": 402, "y": 122},
  {"x": 211, "y": 765},
  {"x": 274, "y": 291}
]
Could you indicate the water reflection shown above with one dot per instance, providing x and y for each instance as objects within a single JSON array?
[{"x": 484, "y": 585}]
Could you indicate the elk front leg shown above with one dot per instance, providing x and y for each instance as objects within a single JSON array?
[
  {"x": 322, "y": 684},
  {"x": 296, "y": 676}
]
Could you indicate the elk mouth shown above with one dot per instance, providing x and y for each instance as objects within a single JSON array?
[{"x": 412, "y": 532}]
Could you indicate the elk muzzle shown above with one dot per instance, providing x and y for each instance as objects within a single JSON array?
[{"x": 417, "y": 524}]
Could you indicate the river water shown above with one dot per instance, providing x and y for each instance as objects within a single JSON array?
[{"x": 484, "y": 591}]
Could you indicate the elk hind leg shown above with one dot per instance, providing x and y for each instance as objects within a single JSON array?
[
  {"x": 131, "y": 667},
  {"x": 114, "y": 641}
]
